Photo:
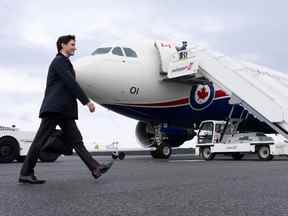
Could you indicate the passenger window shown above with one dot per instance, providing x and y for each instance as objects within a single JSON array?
[
  {"x": 129, "y": 52},
  {"x": 102, "y": 50},
  {"x": 117, "y": 51}
]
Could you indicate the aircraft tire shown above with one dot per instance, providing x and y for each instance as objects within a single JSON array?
[
  {"x": 163, "y": 151},
  {"x": 121, "y": 155},
  {"x": 114, "y": 155},
  {"x": 154, "y": 154}
]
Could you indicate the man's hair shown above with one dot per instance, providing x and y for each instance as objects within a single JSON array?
[{"x": 65, "y": 40}]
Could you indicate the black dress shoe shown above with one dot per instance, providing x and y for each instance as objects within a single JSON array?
[
  {"x": 104, "y": 167},
  {"x": 101, "y": 169},
  {"x": 96, "y": 172},
  {"x": 31, "y": 179}
]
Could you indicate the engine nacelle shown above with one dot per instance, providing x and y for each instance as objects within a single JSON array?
[
  {"x": 144, "y": 134},
  {"x": 174, "y": 136}
]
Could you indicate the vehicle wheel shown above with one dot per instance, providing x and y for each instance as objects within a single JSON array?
[
  {"x": 271, "y": 157},
  {"x": 9, "y": 149},
  {"x": 206, "y": 154},
  {"x": 48, "y": 157},
  {"x": 237, "y": 156},
  {"x": 163, "y": 151},
  {"x": 263, "y": 153},
  {"x": 20, "y": 158},
  {"x": 114, "y": 155},
  {"x": 121, "y": 155}
]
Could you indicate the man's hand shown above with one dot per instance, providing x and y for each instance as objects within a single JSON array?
[{"x": 91, "y": 106}]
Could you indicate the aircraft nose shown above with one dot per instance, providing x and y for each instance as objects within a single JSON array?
[
  {"x": 88, "y": 74},
  {"x": 83, "y": 71},
  {"x": 81, "y": 65}
]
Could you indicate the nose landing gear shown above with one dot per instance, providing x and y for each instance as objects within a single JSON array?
[
  {"x": 163, "y": 151},
  {"x": 119, "y": 155}
]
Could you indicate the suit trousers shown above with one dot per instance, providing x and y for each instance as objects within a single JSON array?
[{"x": 71, "y": 135}]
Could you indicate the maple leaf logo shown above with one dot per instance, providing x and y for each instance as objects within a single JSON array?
[{"x": 202, "y": 93}]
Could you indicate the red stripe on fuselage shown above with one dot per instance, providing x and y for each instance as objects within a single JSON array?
[
  {"x": 182, "y": 101},
  {"x": 220, "y": 93},
  {"x": 168, "y": 103}
]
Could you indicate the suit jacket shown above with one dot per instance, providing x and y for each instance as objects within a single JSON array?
[{"x": 62, "y": 90}]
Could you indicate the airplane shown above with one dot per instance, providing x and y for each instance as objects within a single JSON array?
[{"x": 130, "y": 78}]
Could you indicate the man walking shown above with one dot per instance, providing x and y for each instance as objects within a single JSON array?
[{"x": 59, "y": 107}]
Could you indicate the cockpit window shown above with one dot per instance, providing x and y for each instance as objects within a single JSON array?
[
  {"x": 102, "y": 50},
  {"x": 129, "y": 52},
  {"x": 117, "y": 51}
]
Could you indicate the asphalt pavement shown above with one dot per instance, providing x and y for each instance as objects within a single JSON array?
[{"x": 140, "y": 185}]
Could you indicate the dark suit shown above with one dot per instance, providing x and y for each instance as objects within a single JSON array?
[
  {"x": 62, "y": 90},
  {"x": 59, "y": 107}
]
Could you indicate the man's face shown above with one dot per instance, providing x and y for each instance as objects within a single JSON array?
[{"x": 69, "y": 48}]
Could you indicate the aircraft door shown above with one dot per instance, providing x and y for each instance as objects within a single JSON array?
[{"x": 171, "y": 63}]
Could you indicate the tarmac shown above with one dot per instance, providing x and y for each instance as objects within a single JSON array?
[{"x": 139, "y": 185}]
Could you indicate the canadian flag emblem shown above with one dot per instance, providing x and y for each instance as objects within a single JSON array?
[{"x": 202, "y": 94}]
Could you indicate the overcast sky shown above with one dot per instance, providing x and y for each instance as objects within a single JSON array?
[{"x": 252, "y": 30}]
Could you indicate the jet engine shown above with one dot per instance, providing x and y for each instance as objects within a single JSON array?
[{"x": 162, "y": 137}]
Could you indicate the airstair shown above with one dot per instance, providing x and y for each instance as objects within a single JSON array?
[{"x": 261, "y": 91}]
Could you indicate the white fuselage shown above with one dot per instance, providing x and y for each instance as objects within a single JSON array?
[{"x": 133, "y": 86}]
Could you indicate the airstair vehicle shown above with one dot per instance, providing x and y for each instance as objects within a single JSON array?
[
  {"x": 261, "y": 91},
  {"x": 222, "y": 137}
]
